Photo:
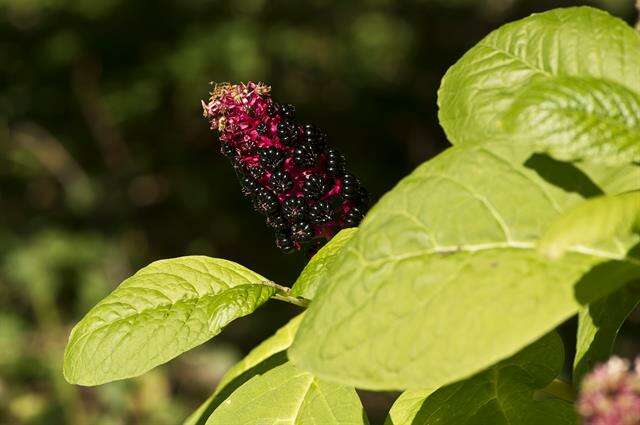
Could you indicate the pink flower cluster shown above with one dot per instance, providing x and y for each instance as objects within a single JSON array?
[{"x": 610, "y": 394}]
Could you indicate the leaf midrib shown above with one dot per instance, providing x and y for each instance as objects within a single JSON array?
[
  {"x": 470, "y": 248},
  {"x": 158, "y": 306}
]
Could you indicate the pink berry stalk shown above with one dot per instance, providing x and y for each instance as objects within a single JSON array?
[{"x": 292, "y": 176}]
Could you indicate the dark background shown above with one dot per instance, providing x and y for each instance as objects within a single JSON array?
[{"x": 106, "y": 163}]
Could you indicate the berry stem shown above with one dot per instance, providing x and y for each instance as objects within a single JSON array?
[{"x": 282, "y": 294}]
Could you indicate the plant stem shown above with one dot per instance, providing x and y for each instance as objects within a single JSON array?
[
  {"x": 282, "y": 294},
  {"x": 638, "y": 22},
  {"x": 560, "y": 389}
]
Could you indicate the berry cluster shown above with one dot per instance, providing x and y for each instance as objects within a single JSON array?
[{"x": 292, "y": 176}]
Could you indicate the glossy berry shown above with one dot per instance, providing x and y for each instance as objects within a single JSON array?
[
  {"x": 287, "y": 133},
  {"x": 363, "y": 198},
  {"x": 270, "y": 158},
  {"x": 314, "y": 187},
  {"x": 305, "y": 156},
  {"x": 272, "y": 110},
  {"x": 262, "y": 129},
  {"x": 280, "y": 182},
  {"x": 309, "y": 133},
  {"x": 288, "y": 110},
  {"x": 228, "y": 150},
  {"x": 292, "y": 177},
  {"x": 294, "y": 208},
  {"x": 335, "y": 162},
  {"x": 350, "y": 186},
  {"x": 286, "y": 128},
  {"x": 249, "y": 186},
  {"x": 301, "y": 231},
  {"x": 254, "y": 171},
  {"x": 277, "y": 221},
  {"x": 284, "y": 242},
  {"x": 320, "y": 212},
  {"x": 353, "y": 217},
  {"x": 322, "y": 140},
  {"x": 265, "y": 202}
]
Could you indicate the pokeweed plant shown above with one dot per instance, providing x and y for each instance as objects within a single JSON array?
[{"x": 451, "y": 287}]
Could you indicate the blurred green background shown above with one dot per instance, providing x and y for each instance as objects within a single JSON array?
[{"x": 106, "y": 163}]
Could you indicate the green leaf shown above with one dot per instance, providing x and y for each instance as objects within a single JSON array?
[
  {"x": 286, "y": 395},
  {"x": 598, "y": 219},
  {"x": 307, "y": 283},
  {"x": 577, "y": 118},
  {"x": 407, "y": 407},
  {"x": 445, "y": 270},
  {"x": 163, "y": 310},
  {"x": 503, "y": 394},
  {"x": 261, "y": 359},
  {"x": 598, "y": 326},
  {"x": 579, "y": 41}
]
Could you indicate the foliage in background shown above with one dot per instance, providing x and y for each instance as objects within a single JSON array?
[{"x": 103, "y": 146}]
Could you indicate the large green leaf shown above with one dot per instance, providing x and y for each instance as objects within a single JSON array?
[
  {"x": 598, "y": 326},
  {"x": 163, "y": 310},
  {"x": 287, "y": 396},
  {"x": 577, "y": 118},
  {"x": 261, "y": 359},
  {"x": 483, "y": 84},
  {"x": 444, "y": 269},
  {"x": 500, "y": 395},
  {"x": 601, "y": 218},
  {"x": 307, "y": 283}
]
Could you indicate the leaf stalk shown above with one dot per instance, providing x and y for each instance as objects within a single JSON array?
[{"x": 282, "y": 294}]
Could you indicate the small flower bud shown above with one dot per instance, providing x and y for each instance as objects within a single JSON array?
[{"x": 610, "y": 394}]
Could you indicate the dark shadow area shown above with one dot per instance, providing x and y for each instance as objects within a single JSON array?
[
  {"x": 607, "y": 314},
  {"x": 563, "y": 174},
  {"x": 376, "y": 404},
  {"x": 603, "y": 279}
]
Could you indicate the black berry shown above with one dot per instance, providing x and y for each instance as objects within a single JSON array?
[
  {"x": 288, "y": 110},
  {"x": 305, "y": 156},
  {"x": 284, "y": 243},
  {"x": 322, "y": 140},
  {"x": 265, "y": 202},
  {"x": 335, "y": 162},
  {"x": 272, "y": 110},
  {"x": 262, "y": 128},
  {"x": 277, "y": 221},
  {"x": 314, "y": 187},
  {"x": 353, "y": 217},
  {"x": 301, "y": 231},
  {"x": 254, "y": 171},
  {"x": 363, "y": 197},
  {"x": 249, "y": 186},
  {"x": 228, "y": 150},
  {"x": 280, "y": 181},
  {"x": 294, "y": 208},
  {"x": 309, "y": 133},
  {"x": 321, "y": 212},
  {"x": 271, "y": 158},
  {"x": 350, "y": 186},
  {"x": 287, "y": 132}
]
